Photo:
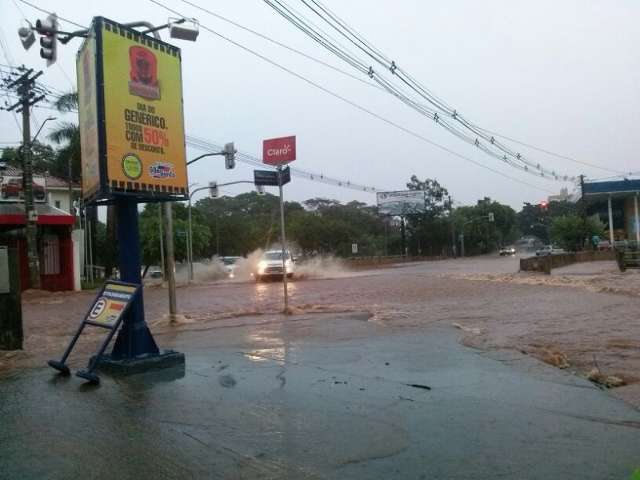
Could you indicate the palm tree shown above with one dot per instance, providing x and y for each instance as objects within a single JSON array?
[{"x": 67, "y": 135}]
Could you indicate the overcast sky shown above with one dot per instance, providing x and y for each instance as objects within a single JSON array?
[{"x": 561, "y": 75}]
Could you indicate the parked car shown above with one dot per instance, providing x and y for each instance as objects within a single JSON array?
[
  {"x": 511, "y": 250},
  {"x": 12, "y": 188},
  {"x": 549, "y": 250},
  {"x": 229, "y": 265},
  {"x": 154, "y": 272},
  {"x": 270, "y": 265}
]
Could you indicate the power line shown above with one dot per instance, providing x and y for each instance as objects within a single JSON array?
[
  {"x": 42, "y": 10},
  {"x": 280, "y": 44},
  {"x": 519, "y": 161},
  {"x": 246, "y": 158},
  {"x": 355, "y": 105},
  {"x": 548, "y": 152}
]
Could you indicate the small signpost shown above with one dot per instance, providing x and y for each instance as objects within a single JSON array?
[
  {"x": 269, "y": 178},
  {"x": 278, "y": 152},
  {"x": 107, "y": 311}
]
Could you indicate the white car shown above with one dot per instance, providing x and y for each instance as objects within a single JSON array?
[
  {"x": 229, "y": 265},
  {"x": 549, "y": 250},
  {"x": 270, "y": 265}
]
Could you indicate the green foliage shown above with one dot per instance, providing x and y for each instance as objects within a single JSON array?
[
  {"x": 536, "y": 220},
  {"x": 150, "y": 233},
  {"x": 429, "y": 233},
  {"x": 571, "y": 231},
  {"x": 481, "y": 235}
]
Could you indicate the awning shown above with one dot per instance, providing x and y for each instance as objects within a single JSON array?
[
  {"x": 616, "y": 188},
  {"x": 13, "y": 214}
]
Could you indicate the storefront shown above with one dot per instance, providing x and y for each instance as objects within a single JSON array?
[
  {"x": 616, "y": 204},
  {"x": 55, "y": 244}
]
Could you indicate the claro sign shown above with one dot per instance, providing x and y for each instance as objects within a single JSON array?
[{"x": 278, "y": 151}]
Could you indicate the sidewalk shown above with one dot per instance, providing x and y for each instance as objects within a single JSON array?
[{"x": 320, "y": 397}]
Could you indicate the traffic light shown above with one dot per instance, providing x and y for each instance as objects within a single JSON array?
[
  {"x": 48, "y": 29},
  {"x": 492, "y": 218},
  {"x": 26, "y": 36},
  {"x": 229, "y": 156},
  {"x": 213, "y": 189}
]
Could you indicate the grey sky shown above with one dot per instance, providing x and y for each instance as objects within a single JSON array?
[{"x": 560, "y": 75}]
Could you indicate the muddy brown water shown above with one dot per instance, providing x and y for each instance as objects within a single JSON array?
[{"x": 583, "y": 314}]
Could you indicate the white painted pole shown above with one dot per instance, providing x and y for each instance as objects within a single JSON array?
[
  {"x": 610, "y": 221},
  {"x": 635, "y": 207}
]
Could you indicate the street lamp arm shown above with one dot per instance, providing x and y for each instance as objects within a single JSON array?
[
  {"x": 204, "y": 155},
  {"x": 238, "y": 182}
]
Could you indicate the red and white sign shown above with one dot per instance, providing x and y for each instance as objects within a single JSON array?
[{"x": 278, "y": 151}]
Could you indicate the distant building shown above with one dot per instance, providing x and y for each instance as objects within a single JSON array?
[
  {"x": 59, "y": 254},
  {"x": 563, "y": 196},
  {"x": 616, "y": 204}
]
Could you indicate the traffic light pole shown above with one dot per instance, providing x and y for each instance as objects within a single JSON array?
[{"x": 190, "y": 226}]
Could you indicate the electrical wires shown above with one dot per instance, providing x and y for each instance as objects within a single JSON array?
[
  {"x": 206, "y": 146},
  {"x": 434, "y": 108},
  {"x": 354, "y": 104}
]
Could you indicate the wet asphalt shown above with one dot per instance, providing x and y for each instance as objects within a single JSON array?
[{"x": 330, "y": 396}]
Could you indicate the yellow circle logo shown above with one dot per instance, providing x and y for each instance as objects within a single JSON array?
[{"x": 132, "y": 166}]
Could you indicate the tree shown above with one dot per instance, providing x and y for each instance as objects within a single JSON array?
[
  {"x": 150, "y": 233},
  {"x": 429, "y": 232},
  {"x": 482, "y": 235},
  {"x": 571, "y": 231},
  {"x": 536, "y": 219},
  {"x": 67, "y": 135},
  {"x": 43, "y": 157}
]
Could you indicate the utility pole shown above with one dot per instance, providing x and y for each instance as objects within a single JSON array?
[
  {"x": 453, "y": 229},
  {"x": 583, "y": 202},
  {"x": 24, "y": 86}
]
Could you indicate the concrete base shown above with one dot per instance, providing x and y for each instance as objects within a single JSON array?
[{"x": 166, "y": 359}]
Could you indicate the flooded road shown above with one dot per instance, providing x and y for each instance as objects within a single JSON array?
[
  {"x": 368, "y": 377},
  {"x": 580, "y": 317}
]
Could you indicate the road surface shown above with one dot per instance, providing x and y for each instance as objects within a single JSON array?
[{"x": 369, "y": 378}]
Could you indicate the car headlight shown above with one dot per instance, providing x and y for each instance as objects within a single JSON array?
[{"x": 261, "y": 267}]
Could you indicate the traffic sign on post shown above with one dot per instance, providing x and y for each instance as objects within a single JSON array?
[
  {"x": 279, "y": 151},
  {"x": 269, "y": 178}
]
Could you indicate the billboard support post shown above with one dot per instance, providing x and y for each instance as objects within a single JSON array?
[
  {"x": 132, "y": 140},
  {"x": 134, "y": 338}
]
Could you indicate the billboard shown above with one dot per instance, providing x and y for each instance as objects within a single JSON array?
[
  {"x": 88, "y": 115},
  {"x": 11, "y": 189},
  {"x": 278, "y": 151},
  {"x": 404, "y": 202},
  {"x": 135, "y": 83}
]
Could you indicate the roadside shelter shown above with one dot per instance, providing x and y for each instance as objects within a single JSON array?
[
  {"x": 55, "y": 245},
  {"x": 616, "y": 204}
]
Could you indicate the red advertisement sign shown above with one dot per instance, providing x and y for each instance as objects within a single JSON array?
[{"x": 277, "y": 151}]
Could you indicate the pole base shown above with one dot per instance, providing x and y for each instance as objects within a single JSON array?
[
  {"x": 140, "y": 364},
  {"x": 61, "y": 367},
  {"x": 88, "y": 376}
]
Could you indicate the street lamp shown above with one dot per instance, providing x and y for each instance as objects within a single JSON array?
[{"x": 40, "y": 129}]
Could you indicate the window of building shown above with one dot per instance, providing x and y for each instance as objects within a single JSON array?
[{"x": 57, "y": 203}]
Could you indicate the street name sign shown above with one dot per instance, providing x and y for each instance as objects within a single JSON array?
[{"x": 269, "y": 178}]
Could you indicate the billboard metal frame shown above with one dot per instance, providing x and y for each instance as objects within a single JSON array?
[{"x": 108, "y": 193}]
